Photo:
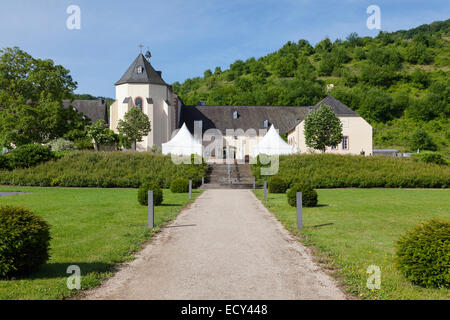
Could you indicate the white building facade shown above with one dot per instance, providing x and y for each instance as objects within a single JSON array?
[{"x": 143, "y": 86}]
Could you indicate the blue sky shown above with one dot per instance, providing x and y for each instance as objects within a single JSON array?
[{"x": 187, "y": 37}]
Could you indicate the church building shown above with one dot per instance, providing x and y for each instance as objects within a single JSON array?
[{"x": 143, "y": 86}]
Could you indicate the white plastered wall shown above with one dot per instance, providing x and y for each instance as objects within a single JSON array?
[{"x": 358, "y": 131}]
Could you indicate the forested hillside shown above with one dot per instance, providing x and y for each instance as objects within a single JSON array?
[{"x": 398, "y": 81}]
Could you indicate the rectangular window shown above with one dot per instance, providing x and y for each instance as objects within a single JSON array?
[
  {"x": 345, "y": 143},
  {"x": 333, "y": 147}
]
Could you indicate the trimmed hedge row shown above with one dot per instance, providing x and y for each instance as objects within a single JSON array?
[
  {"x": 342, "y": 171},
  {"x": 105, "y": 169}
]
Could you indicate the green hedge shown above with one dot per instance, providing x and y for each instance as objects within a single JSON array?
[
  {"x": 26, "y": 156},
  {"x": 342, "y": 171},
  {"x": 24, "y": 241},
  {"x": 423, "y": 254},
  {"x": 105, "y": 169}
]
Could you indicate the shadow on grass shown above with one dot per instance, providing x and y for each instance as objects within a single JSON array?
[
  {"x": 320, "y": 225},
  {"x": 170, "y": 205},
  {"x": 58, "y": 270},
  {"x": 321, "y": 205}
]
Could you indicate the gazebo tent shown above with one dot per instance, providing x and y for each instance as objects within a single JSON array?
[
  {"x": 182, "y": 144},
  {"x": 272, "y": 144}
]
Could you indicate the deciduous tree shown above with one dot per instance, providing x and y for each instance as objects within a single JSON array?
[
  {"x": 133, "y": 127},
  {"x": 322, "y": 129}
]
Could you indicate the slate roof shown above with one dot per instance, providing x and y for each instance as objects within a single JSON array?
[
  {"x": 148, "y": 75},
  {"x": 249, "y": 117},
  {"x": 284, "y": 118},
  {"x": 338, "y": 107},
  {"x": 93, "y": 109}
]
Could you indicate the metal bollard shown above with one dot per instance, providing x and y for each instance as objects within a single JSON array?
[
  {"x": 151, "y": 211},
  {"x": 265, "y": 189},
  {"x": 190, "y": 189},
  {"x": 203, "y": 180},
  {"x": 254, "y": 182},
  {"x": 299, "y": 211}
]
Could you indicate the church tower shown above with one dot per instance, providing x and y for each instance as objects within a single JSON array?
[{"x": 141, "y": 85}]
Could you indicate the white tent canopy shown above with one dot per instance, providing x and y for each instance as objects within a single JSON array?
[
  {"x": 272, "y": 144},
  {"x": 183, "y": 143}
]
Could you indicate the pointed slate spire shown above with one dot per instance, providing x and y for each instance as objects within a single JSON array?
[{"x": 141, "y": 71}]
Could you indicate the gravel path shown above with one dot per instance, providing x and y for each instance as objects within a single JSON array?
[{"x": 226, "y": 245}]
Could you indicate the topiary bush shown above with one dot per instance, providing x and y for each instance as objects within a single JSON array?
[
  {"x": 30, "y": 155},
  {"x": 309, "y": 195},
  {"x": 277, "y": 185},
  {"x": 179, "y": 185},
  {"x": 24, "y": 241},
  {"x": 143, "y": 194},
  {"x": 422, "y": 254}
]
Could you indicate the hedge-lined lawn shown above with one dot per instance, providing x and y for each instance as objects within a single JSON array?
[
  {"x": 355, "y": 228},
  {"x": 92, "y": 228}
]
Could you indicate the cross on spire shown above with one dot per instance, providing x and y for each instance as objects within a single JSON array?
[{"x": 141, "y": 46}]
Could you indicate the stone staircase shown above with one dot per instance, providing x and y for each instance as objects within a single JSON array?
[{"x": 232, "y": 176}]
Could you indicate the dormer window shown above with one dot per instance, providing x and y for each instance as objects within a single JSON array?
[
  {"x": 266, "y": 123},
  {"x": 235, "y": 114},
  {"x": 140, "y": 69}
]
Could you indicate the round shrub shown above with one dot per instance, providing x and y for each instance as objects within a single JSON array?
[
  {"x": 143, "y": 194},
  {"x": 60, "y": 145},
  {"x": 277, "y": 185},
  {"x": 422, "y": 254},
  {"x": 179, "y": 185},
  {"x": 30, "y": 155},
  {"x": 24, "y": 241},
  {"x": 309, "y": 195}
]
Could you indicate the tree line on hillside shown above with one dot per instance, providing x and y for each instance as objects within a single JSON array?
[
  {"x": 400, "y": 75},
  {"x": 386, "y": 77}
]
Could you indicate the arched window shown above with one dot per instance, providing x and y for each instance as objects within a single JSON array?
[{"x": 138, "y": 103}]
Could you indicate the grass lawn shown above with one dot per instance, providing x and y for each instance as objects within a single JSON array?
[
  {"x": 92, "y": 228},
  {"x": 355, "y": 228}
]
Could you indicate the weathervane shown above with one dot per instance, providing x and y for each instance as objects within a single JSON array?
[{"x": 148, "y": 55}]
